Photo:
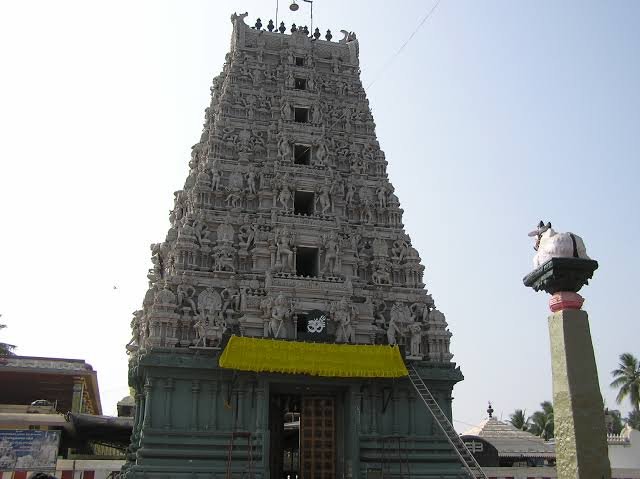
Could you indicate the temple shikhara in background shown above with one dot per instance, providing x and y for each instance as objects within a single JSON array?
[{"x": 286, "y": 306}]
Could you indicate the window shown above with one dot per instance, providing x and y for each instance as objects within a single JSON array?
[
  {"x": 301, "y": 154},
  {"x": 303, "y": 202},
  {"x": 307, "y": 261},
  {"x": 301, "y": 115},
  {"x": 299, "y": 61},
  {"x": 300, "y": 84}
]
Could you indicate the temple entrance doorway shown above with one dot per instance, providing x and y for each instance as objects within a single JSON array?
[{"x": 303, "y": 432}]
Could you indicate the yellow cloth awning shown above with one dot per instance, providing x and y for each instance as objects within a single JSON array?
[{"x": 316, "y": 359}]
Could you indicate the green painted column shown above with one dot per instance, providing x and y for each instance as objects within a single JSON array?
[{"x": 581, "y": 436}]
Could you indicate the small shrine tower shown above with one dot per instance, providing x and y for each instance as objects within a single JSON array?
[{"x": 270, "y": 343}]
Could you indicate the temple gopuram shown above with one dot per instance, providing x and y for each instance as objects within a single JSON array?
[{"x": 287, "y": 331}]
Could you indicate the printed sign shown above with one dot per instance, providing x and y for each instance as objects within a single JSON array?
[
  {"x": 314, "y": 326},
  {"x": 28, "y": 449}
]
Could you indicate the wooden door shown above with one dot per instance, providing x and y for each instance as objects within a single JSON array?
[{"x": 317, "y": 438}]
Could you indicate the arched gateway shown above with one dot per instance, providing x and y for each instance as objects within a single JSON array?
[{"x": 287, "y": 295}]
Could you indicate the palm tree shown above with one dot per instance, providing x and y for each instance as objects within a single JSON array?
[
  {"x": 519, "y": 420},
  {"x": 627, "y": 378},
  {"x": 633, "y": 419},
  {"x": 6, "y": 349},
  {"x": 542, "y": 421}
]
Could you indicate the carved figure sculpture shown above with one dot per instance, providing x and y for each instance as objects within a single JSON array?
[
  {"x": 185, "y": 294},
  {"x": 550, "y": 244},
  {"x": 416, "y": 339},
  {"x": 215, "y": 179},
  {"x": 350, "y": 194},
  {"x": 136, "y": 325},
  {"x": 209, "y": 304},
  {"x": 280, "y": 312},
  {"x": 284, "y": 255},
  {"x": 324, "y": 197},
  {"x": 400, "y": 250},
  {"x": 284, "y": 149},
  {"x": 284, "y": 197},
  {"x": 321, "y": 154},
  {"x": 331, "y": 254},
  {"x": 342, "y": 315},
  {"x": 285, "y": 110},
  {"x": 393, "y": 331},
  {"x": 246, "y": 234},
  {"x": 225, "y": 231},
  {"x": 251, "y": 181},
  {"x": 381, "y": 276},
  {"x": 208, "y": 330},
  {"x": 200, "y": 228},
  {"x": 381, "y": 194}
]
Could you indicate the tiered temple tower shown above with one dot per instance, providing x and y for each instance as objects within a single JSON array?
[{"x": 287, "y": 228}]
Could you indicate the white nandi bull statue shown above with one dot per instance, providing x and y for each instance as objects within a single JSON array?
[{"x": 550, "y": 244}]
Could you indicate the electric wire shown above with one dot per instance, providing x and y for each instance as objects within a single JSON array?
[{"x": 393, "y": 57}]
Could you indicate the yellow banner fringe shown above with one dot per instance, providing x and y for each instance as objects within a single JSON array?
[{"x": 316, "y": 359}]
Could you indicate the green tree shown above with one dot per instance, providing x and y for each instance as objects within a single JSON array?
[
  {"x": 6, "y": 349},
  {"x": 519, "y": 420},
  {"x": 542, "y": 421},
  {"x": 627, "y": 379},
  {"x": 633, "y": 419},
  {"x": 613, "y": 421}
]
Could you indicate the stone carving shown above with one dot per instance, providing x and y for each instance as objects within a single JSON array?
[
  {"x": 208, "y": 331},
  {"x": 246, "y": 234},
  {"x": 343, "y": 314},
  {"x": 185, "y": 293},
  {"x": 209, "y": 304},
  {"x": 225, "y": 231},
  {"x": 400, "y": 250},
  {"x": 550, "y": 244},
  {"x": 232, "y": 227},
  {"x": 332, "y": 263},
  {"x": 279, "y": 314},
  {"x": 324, "y": 197},
  {"x": 285, "y": 196},
  {"x": 416, "y": 339},
  {"x": 251, "y": 181},
  {"x": 381, "y": 276},
  {"x": 284, "y": 150},
  {"x": 284, "y": 254},
  {"x": 393, "y": 331}
]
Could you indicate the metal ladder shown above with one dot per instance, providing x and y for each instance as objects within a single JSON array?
[
  {"x": 402, "y": 459},
  {"x": 248, "y": 436},
  {"x": 468, "y": 461}
]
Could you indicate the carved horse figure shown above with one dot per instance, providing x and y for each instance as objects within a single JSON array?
[{"x": 550, "y": 244}]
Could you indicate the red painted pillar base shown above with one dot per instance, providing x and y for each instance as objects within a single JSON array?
[{"x": 565, "y": 300}]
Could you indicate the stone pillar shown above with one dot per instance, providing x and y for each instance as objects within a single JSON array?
[
  {"x": 581, "y": 435},
  {"x": 78, "y": 392}
]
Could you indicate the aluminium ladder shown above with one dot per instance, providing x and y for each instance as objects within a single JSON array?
[{"x": 468, "y": 461}]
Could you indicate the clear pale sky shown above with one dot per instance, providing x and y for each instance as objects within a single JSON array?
[{"x": 497, "y": 114}]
